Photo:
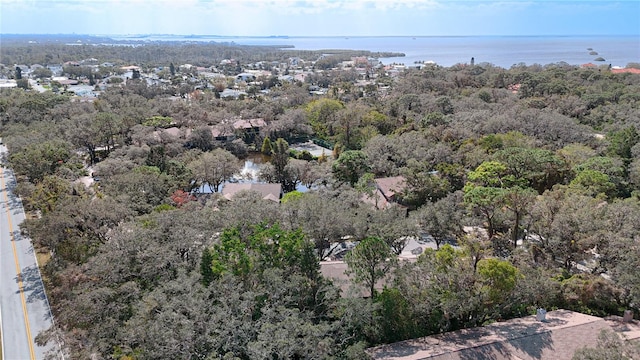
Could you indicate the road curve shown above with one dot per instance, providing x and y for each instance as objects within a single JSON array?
[{"x": 24, "y": 308}]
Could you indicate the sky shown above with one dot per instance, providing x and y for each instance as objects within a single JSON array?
[{"x": 320, "y": 17}]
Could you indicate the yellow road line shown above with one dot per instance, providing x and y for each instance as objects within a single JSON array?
[{"x": 32, "y": 353}]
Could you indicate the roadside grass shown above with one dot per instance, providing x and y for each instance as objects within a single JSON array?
[{"x": 43, "y": 255}]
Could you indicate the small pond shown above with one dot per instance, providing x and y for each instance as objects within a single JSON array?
[{"x": 249, "y": 172}]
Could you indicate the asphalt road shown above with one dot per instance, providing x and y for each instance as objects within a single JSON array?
[{"x": 24, "y": 308}]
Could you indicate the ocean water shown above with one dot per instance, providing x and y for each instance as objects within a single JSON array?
[{"x": 503, "y": 51}]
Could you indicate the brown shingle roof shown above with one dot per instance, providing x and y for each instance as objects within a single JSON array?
[
  {"x": 249, "y": 123},
  {"x": 525, "y": 338},
  {"x": 389, "y": 186},
  {"x": 268, "y": 191},
  {"x": 173, "y": 131}
]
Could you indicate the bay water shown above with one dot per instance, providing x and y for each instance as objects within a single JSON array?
[{"x": 503, "y": 51}]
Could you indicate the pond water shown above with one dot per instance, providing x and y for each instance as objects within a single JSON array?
[
  {"x": 249, "y": 173},
  {"x": 251, "y": 167}
]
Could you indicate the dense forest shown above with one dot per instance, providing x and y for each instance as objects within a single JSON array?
[{"x": 526, "y": 181}]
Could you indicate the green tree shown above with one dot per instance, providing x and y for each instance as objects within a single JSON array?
[
  {"x": 157, "y": 157},
  {"x": 322, "y": 113},
  {"x": 201, "y": 138},
  {"x": 266, "y": 146},
  {"x": 494, "y": 186},
  {"x": 141, "y": 189},
  {"x": 441, "y": 290},
  {"x": 263, "y": 248},
  {"x": 441, "y": 220},
  {"x": 37, "y": 160},
  {"x": 422, "y": 185},
  {"x": 280, "y": 162},
  {"x": 325, "y": 219},
  {"x": 593, "y": 183},
  {"x": 350, "y": 166},
  {"x": 621, "y": 142},
  {"x": 158, "y": 121},
  {"x": 214, "y": 168},
  {"x": 487, "y": 201},
  {"x": 391, "y": 225},
  {"x": 205, "y": 267},
  {"x": 369, "y": 262},
  {"x": 398, "y": 321},
  {"x": 609, "y": 347},
  {"x": 567, "y": 225},
  {"x": 23, "y": 84},
  {"x": 498, "y": 278},
  {"x": 518, "y": 201},
  {"x": 367, "y": 186},
  {"x": 541, "y": 169},
  {"x": 48, "y": 193},
  {"x": 41, "y": 73}
]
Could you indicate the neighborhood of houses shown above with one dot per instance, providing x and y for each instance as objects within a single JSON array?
[
  {"x": 86, "y": 79},
  {"x": 552, "y": 335}
]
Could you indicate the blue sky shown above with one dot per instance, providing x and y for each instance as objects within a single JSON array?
[{"x": 321, "y": 17}]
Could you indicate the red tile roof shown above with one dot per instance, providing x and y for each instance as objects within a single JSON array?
[{"x": 626, "y": 70}]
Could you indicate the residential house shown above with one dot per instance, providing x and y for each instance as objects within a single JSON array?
[
  {"x": 625, "y": 70},
  {"x": 232, "y": 94},
  {"x": 246, "y": 77},
  {"x": 271, "y": 192},
  {"x": 223, "y": 133},
  {"x": 249, "y": 124},
  {"x": 130, "y": 68},
  {"x": 249, "y": 128},
  {"x": 386, "y": 191},
  {"x": 5, "y": 83},
  {"x": 555, "y": 335}
]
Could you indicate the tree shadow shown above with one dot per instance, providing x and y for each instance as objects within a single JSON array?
[
  {"x": 519, "y": 339},
  {"x": 392, "y": 351},
  {"x": 16, "y": 235},
  {"x": 14, "y": 202},
  {"x": 33, "y": 286},
  {"x": 508, "y": 340}
]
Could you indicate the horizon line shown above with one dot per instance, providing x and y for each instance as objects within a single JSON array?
[{"x": 302, "y": 36}]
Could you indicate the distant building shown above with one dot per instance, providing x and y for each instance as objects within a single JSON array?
[
  {"x": 232, "y": 94},
  {"x": 625, "y": 70},
  {"x": 130, "y": 68},
  {"x": 4, "y": 83},
  {"x": 246, "y": 77}
]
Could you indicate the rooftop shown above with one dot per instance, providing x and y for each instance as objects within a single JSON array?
[
  {"x": 626, "y": 70},
  {"x": 556, "y": 338},
  {"x": 268, "y": 191},
  {"x": 389, "y": 186}
]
